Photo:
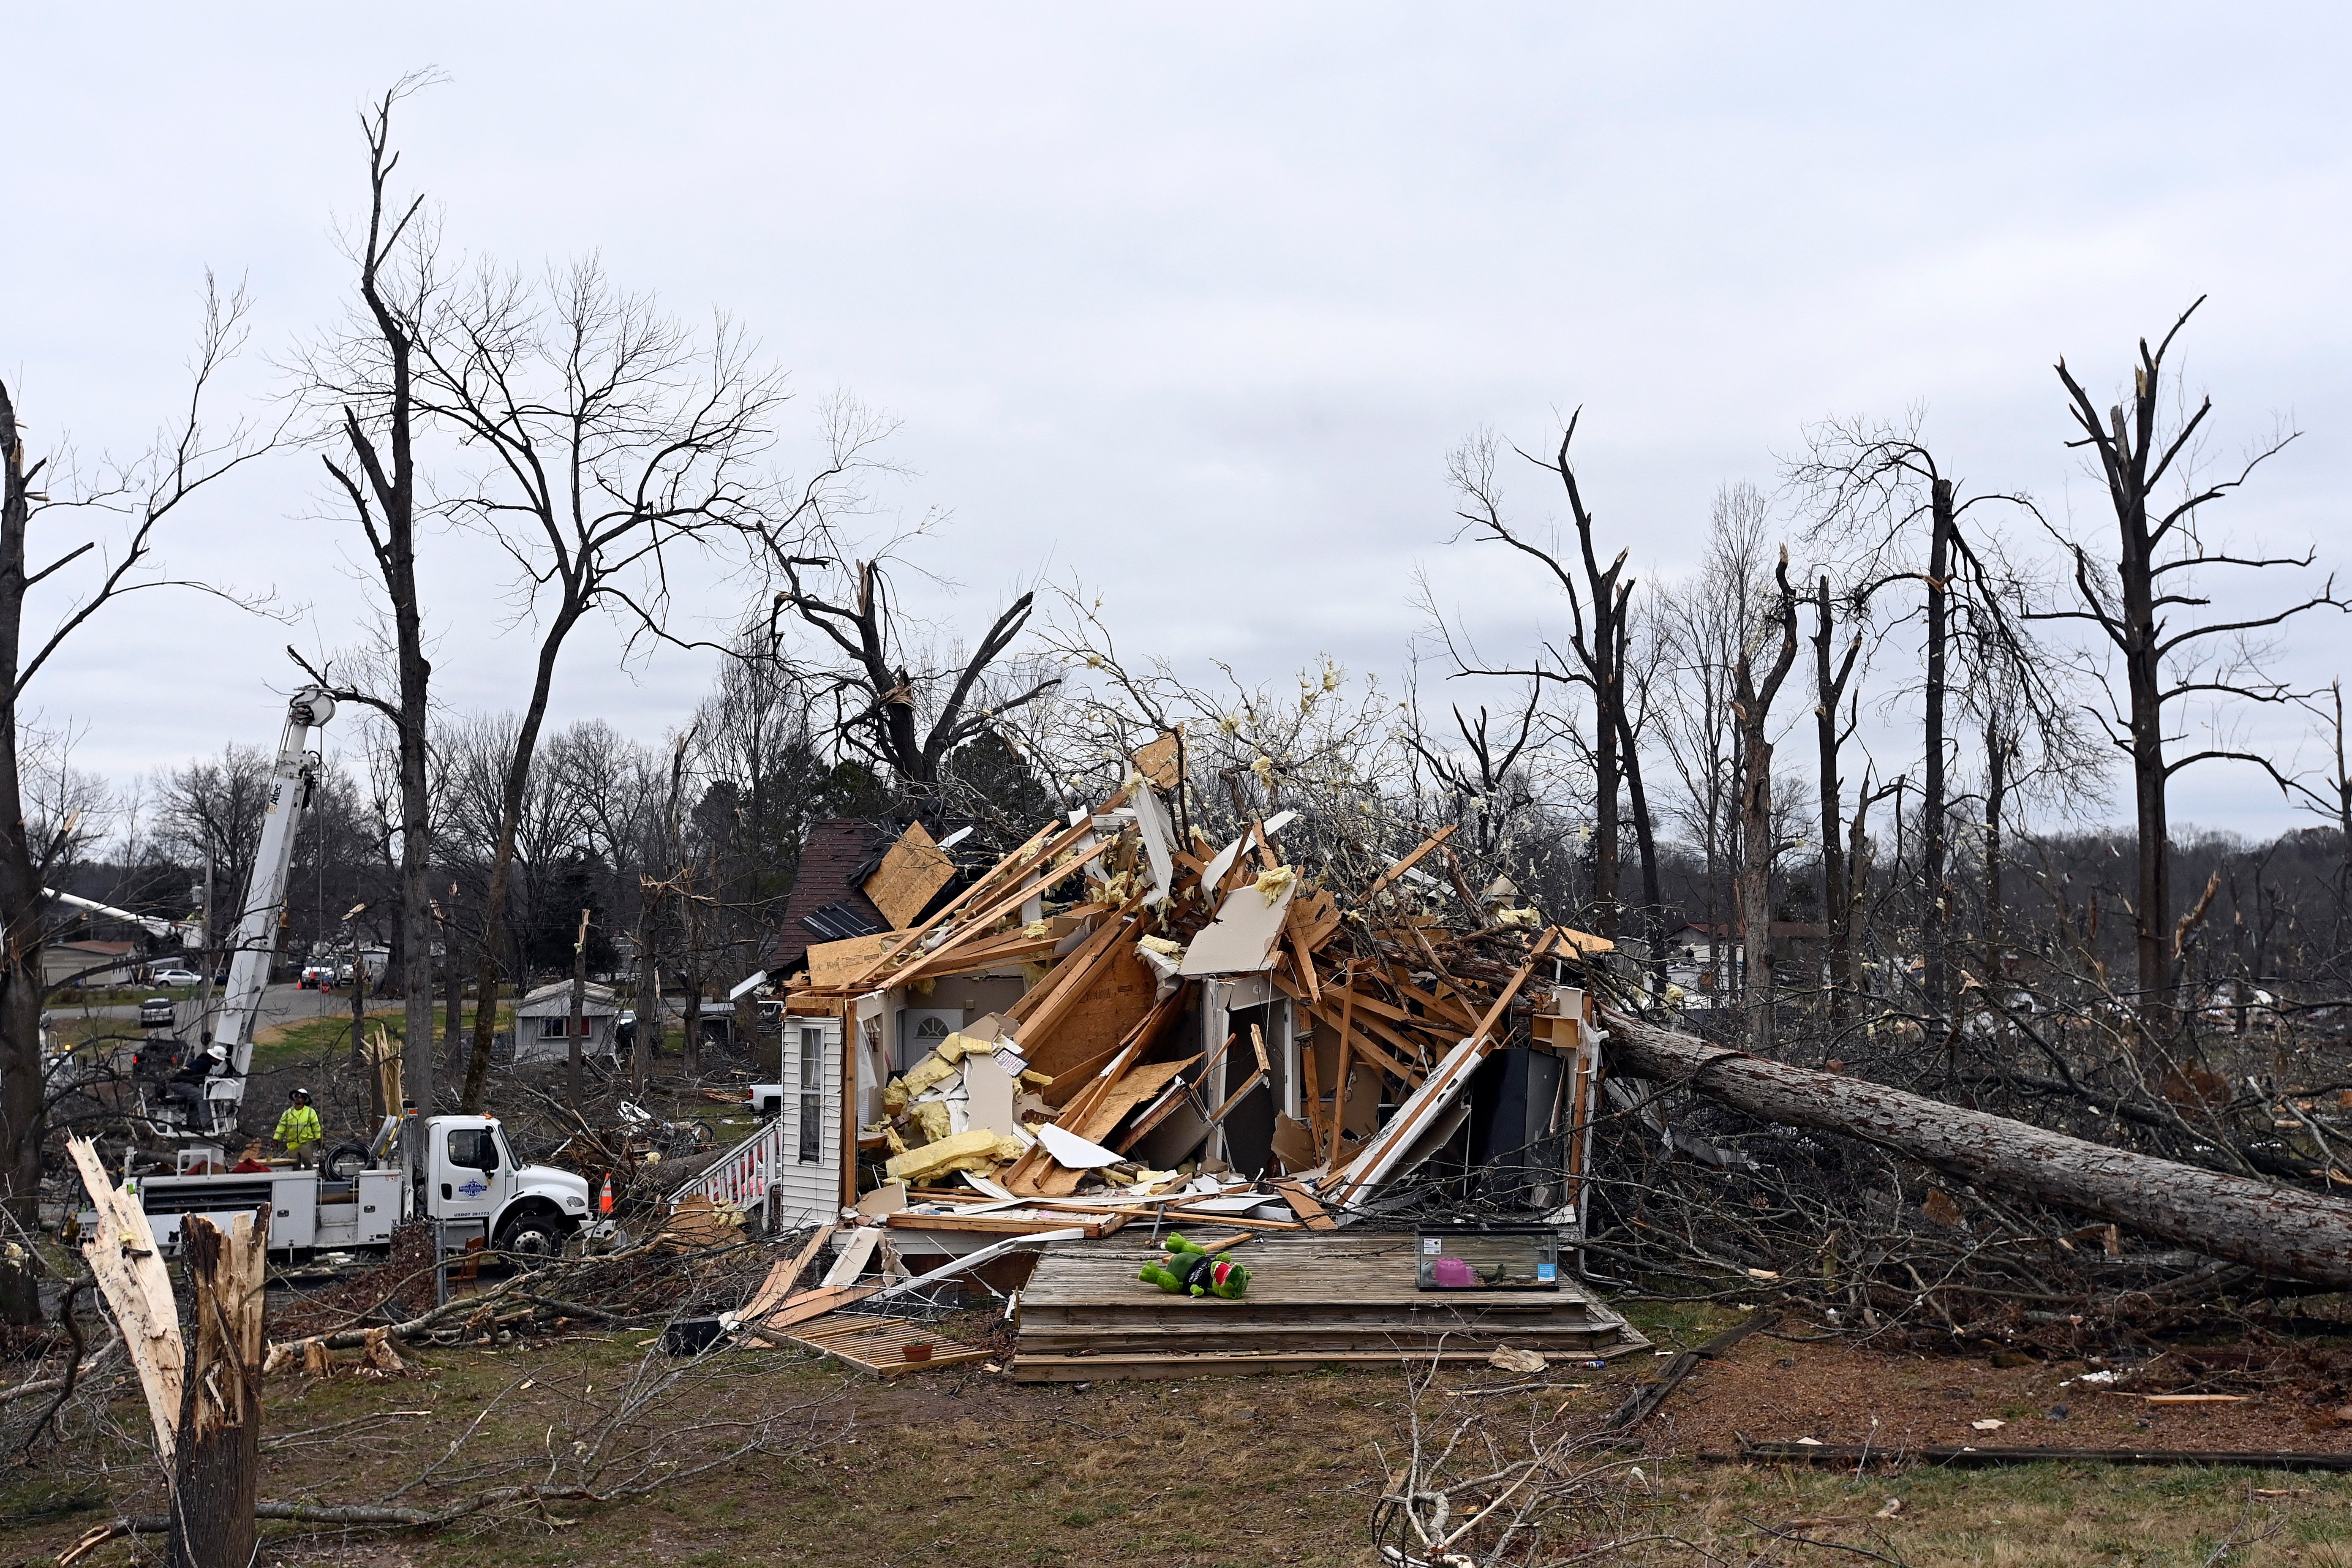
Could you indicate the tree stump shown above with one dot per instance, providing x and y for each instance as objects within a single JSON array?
[{"x": 219, "y": 1451}]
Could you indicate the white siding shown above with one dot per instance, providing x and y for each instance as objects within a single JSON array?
[{"x": 809, "y": 1192}]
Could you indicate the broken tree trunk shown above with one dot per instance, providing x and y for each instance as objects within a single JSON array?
[
  {"x": 2280, "y": 1231},
  {"x": 219, "y": 1461},
  {"x": 121, "y": 1252}
]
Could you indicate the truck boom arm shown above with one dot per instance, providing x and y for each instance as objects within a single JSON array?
[
  {"x": 153, "y": 925},
  {"x": 291, "y": 782}
]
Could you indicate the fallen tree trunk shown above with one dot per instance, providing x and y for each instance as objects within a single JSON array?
[{"x": 2281, "y": 1231}]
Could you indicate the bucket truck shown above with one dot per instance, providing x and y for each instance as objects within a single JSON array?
[{"x": 468, "y": 1180}]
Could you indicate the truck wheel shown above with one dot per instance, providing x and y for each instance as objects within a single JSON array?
[
  {"x": 532, "y": 1237},
  {"x": 345, "y": 1163}
]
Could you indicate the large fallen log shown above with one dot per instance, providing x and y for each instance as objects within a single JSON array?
[{"x": 2280, "y": 1231}]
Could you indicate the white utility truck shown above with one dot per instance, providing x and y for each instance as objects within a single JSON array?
[
  {"x": 468, "y": 1180},
  {"x": 472, "y": 1185}
]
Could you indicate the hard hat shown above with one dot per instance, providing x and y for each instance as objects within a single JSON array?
[
  {"x": 219, "y": 1053},
  {"x": 298, "y": 1094}
]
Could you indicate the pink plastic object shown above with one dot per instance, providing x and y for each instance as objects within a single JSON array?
[{"x": 1452, "y": 1273}]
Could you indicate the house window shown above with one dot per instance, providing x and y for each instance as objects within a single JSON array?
[{"x": 811, "y": 1094}]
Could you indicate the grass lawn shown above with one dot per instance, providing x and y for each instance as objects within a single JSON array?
[
  {"x": 310, "y": 1040},
  {"x": 966, "y": 1466}
]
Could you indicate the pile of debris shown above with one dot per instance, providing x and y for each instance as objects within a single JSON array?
[{"x": 1108, "y": 1024}]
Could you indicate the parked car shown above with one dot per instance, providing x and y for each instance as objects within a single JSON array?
[
  {"x": 316, "y": 977},
  {"x": 178, "y": 977},
  {"x": 157, "y": 1013}
]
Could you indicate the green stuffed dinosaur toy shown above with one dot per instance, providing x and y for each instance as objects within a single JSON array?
[{"x": 1189, "y": 1269}]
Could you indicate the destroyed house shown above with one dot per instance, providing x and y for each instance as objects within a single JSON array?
[
  {"x": 1109, "y": 1026},
  {"x": 1106, "y": 1006}
]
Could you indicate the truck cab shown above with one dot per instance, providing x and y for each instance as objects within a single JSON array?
[{"x": 472, "y": 1178}]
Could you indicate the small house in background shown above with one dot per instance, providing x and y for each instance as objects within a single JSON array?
[
  {"x": 1698, "y": 953},
  {"x": 89, "y": 963},
  {"x": 543, "y": 1030}
]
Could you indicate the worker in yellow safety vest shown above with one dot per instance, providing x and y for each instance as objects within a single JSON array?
[{"x": 298, "y": 1129}]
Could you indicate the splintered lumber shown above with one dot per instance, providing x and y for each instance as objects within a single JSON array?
[
  {"x": 782, "y": 1277},
  {"x": 1013, "y": 869},
  {"x": 121, "y": 1251},
  {"x": 802, "y": 1308},
  {"x": 2279, "y": 1231},
  {"x": 1304, "y": 1207},
  {"x": 1380, "y": 1158},
  {"x": 1408, "y": 863}
]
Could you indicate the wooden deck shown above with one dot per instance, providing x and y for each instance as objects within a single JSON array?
[{"x": 1313, "y": 1301}]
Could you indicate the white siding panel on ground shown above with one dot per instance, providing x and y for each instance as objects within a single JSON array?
[{"x": 808, "y": 1191}]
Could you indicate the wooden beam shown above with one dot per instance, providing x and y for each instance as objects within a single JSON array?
[{"x": 1409, "y": 862}]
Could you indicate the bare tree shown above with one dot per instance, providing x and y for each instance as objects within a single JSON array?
[
  {"x": 617, "y": 446},
  {"x": 1751, "y": 705},
  {"x": 2133, "y": 598},
  {"x": 1876, "y": 486},
  {"x": 1704, "y": 629},
  {"x": 143, "y": 494},
  {"x": 1833, "y": 673},
  {"x": 1598, "y": 641},
  {"x": 366, "y": 374},
  {"x": 904, "y": 715}
]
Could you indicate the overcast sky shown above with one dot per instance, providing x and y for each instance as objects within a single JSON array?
[{"x": 1193, "y": 304}]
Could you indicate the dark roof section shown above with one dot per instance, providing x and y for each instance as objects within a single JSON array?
[{"x": 837, "y": 859}]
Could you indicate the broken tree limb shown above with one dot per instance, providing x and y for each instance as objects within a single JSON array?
[
  {"x": 2280, "y": 1231},
  {"x": 287, "y": 1351},
  {"x": 121, "y": 1252}
]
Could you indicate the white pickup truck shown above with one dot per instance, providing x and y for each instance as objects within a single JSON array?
[{"x": 472, "y": 1183}]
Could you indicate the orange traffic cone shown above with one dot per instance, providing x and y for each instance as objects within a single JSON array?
[{"x": 605, "y": 1200}]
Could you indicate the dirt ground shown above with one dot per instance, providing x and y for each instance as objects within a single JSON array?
[{"x": 965, "y": 1466}]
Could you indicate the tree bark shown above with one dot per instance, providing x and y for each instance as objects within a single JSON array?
[
  {"x": 1998, "y": 750},
  {"x": 218, "y": 1464},
  {"x": 23, "y": 1122},
  {"x": 1645, "y": 837},
  {"x": 2280, "y": 1231},
  {"x": 1935, "y": 916},
  {"x": 1753, "y": 706},
  {"x": 494, "y": 902},
  {"x": 1756, "y": 955},
  {"x": 1829, "y": 678},
  {"x": 644, "y": 1036},
  {"x": 574, "y": 1030}
]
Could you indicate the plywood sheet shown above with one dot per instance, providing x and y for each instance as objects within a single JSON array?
[
  {"x": 909, "y": 877},
  {"x": 1137, "y": 1086},
  {"x": 1157, "y": 762},
  {"x": 1114, "y": 1001},
  {"x": 1241, "y": 940},
  {"x": 840, "y": 963}
]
